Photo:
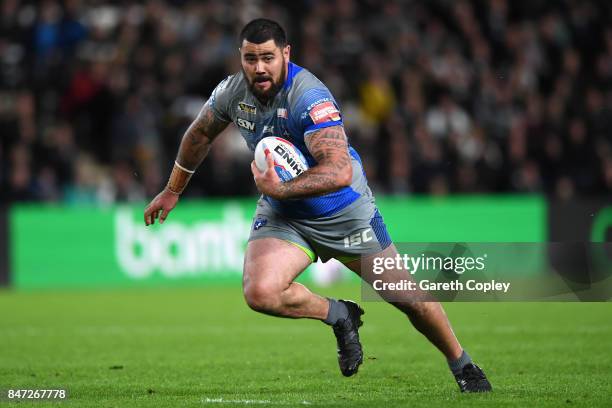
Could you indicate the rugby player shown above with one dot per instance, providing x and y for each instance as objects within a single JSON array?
[{"x": 310, "y": 216}]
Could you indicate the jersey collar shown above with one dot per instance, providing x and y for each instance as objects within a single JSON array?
[{"x": 292, "y": 71}]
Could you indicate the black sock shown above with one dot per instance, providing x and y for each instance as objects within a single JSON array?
[
  {"x": 457, "y": 365},
  {"x": 337, "y": 311}
]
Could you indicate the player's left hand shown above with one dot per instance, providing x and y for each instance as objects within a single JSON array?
[{"x": 268, "y": 182}]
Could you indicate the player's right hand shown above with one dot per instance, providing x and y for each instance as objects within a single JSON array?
[{"x": 160, "y": 207}]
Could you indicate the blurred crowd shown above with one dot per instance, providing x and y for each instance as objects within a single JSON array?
[{"x": 439, "y": 96}]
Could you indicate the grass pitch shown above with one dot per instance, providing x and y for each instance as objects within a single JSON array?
[{"x": 204, "y": 347}]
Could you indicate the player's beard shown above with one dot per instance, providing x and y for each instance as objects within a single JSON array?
[{"x": 275, "y": 87}]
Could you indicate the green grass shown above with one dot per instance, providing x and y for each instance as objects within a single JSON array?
[{"x": 199, "y": 347}]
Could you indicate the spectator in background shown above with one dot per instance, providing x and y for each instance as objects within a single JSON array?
[{"x": 447, "y": 97}]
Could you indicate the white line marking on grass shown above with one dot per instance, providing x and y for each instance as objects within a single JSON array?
[
  {"x": 248, "y": 401},
  {"x": 235, "y": 401}
]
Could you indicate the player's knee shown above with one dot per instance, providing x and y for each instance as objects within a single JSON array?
[{"x": 262, "y": 297}]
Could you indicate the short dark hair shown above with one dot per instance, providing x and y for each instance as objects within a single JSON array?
[{"x": 261, "y": 30}]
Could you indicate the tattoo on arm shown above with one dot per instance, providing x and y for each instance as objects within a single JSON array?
[
  {"x": 333, "y": 171},
  {"x": 198, "y": 138}
]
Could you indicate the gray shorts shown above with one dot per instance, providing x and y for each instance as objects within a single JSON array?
[{"x": 353, "y": 232}]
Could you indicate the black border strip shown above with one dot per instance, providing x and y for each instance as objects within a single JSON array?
[{"x": 4, "y": 250}]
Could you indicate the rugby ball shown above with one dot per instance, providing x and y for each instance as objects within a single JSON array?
[{"x": 289, "y": 162}]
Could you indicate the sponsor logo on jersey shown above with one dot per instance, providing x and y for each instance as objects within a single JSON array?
[
  {"x": 245, "y": 107},
  {"x": 268, "y": 129},
  {"x": 324, "y": 112},
  {"x": 318, "y": 102},
  {"x": 358, "y": 238},
  {"x": 282, "y": 113},
  {"x": 246, "y": 124}
]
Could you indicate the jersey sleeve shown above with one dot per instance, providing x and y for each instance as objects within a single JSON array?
[
  {"x": 219, "y": 101},
  {"x": 317, "y": 109}
]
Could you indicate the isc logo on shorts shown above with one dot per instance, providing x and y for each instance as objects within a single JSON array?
[{"x": 358, "y": 238}]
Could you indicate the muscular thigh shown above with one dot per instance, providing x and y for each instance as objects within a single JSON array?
[
  {"x": 273, "y": 262},
  {"x": 364, "y": 267}
]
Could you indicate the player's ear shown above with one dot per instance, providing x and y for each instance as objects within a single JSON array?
[{"x": 287, "y": 52}]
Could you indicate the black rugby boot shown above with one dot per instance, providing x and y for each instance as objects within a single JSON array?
[
  {"x": 472, "y": 379},
  {"x": 350, "y": 354}
]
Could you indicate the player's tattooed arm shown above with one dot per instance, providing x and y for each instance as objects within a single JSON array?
[
  {"x": 194, "y": 147},
  {"x": 199, "y": 137},
  {"x": 333, "y": 171}
]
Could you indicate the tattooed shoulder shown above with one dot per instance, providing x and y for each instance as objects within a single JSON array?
[{"x": 328, "y": 143}]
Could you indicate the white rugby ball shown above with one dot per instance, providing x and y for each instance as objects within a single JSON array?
[{"x": 289, "y": 162}]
